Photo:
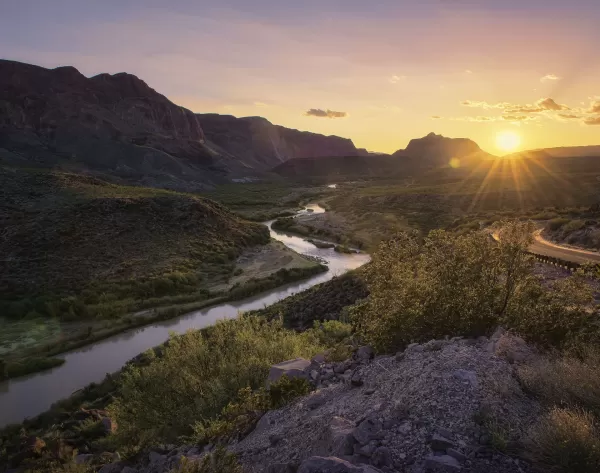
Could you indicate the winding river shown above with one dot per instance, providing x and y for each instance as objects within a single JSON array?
[{"x": 31, "y": 395}]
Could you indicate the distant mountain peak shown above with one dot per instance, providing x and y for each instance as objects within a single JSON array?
[{"x": 439, "y": 150}]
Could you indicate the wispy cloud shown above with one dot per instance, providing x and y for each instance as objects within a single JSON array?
[
  {"x": 468, "y": 71},
  {"x": 261, "y": 104},
  {"x": 569, "y": 116},
  {"x": 516, "y": 118},
  {"x": 435, "y": 117},
  {"x": 484, "y": 105},
  {"x": 550, "y": 77},
  {"x": 317, "y": 112},
  {"x": 592, "y": 120},
  {"x": 396, "y": 79}
]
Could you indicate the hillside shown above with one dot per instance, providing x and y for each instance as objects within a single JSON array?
[
  {"x": 343, "y": 167},
  {"x": 69, "y": 235},
  {"x": 257, "y": 144}
]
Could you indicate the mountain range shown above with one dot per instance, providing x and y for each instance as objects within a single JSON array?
[{"x": 119, "y": 128}]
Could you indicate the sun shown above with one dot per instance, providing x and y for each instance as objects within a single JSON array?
[{"x": 508, "y": 140}]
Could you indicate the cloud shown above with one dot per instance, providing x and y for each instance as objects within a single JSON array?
[
  {"x": 592, "y": 120},
  {"x": 595, "y": 107},
  {"x": 435, "y": 117},
  {"x": 516, "y": 118},
  {"x": 550, "y": 77},
  {"x": 483, "y": 104},
  {"x": 468, "y": 71},
  {"x": 479, "y": 119},
  {"x": 568, "y": 116},
  {"x": 549, "y": 104},
  {"x": 261, "y": 104},
  {"x": 396, "y": 79},
  {"x": 317, "y": 112}
]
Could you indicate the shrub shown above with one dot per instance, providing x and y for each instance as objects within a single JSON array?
[
  {"x": 573, "y": 226},
  {"x": 449, "y": 284},
  {"x": 556, "y": 315},
  {"x": 557, "y": 223},
  {"x": 565, "y": 381},
  {"x": 565, "y": 441},
  {"x": 240, "y": 416},
  {"x": 199, "y": 374}
]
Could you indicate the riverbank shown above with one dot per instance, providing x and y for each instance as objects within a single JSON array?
[
  {"x": 77, "y": 419},
  {"x": 257, "y": 270},
  {"x": 31, "y": 395}
]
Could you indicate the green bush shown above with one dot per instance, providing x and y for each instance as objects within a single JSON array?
[
  {"x": 452, "y": 284},
  {"x": 449, "y": 284},
  {"x": 557, "y": 223},
  {"x": 199, "y": 374},
  {"x": 573, "y": 226},
  {"x": 240, "y": 416}
]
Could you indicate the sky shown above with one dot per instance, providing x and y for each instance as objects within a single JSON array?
[{"x": 379, "y": 72}]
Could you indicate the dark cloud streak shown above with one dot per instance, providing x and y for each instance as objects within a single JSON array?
[{"x": 320, "y": 113}]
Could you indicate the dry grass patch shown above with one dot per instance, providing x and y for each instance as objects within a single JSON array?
[
  {"x": 565, "y": 381},
  {"x": 565, "y": 441}
]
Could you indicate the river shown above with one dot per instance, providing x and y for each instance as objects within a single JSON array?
[{"x": 31, "y": 395}]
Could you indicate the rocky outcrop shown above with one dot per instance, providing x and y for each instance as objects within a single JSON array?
[
  {"x": 424, "y": 410},
  {"x": 437, "y": 150},
  {"x": 258, "y": 144}
]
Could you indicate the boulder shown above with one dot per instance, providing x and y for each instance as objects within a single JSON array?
[
  {"x": 282, "y": 468},
  {"x": 339, "y": 437},
  {"x": 356, "y": 379},
  {"x": 439, "y": 443},
  {"x": 109, "y": 425},
  {"x": 333, "y": 465},
  {"x": 467, "y": 376},
  {"x": 369, "y": 429},
  {"x": 365, "y": 353},
  {"x": 382, "y": 456},
  {"x": 112, "y": 468},
  {"x": 83, "y": 458},
  {"x": 291, "y": 368},
  {"x": 441, "y": 464}
]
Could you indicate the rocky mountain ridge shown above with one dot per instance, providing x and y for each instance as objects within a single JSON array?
[
  {"x": 118, "y": 127},
  {"x": 259, "y": 145}
]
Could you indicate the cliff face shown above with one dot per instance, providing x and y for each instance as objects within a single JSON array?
[
  {"x": 258, "y": 144},
  {"x": 112, "y": 124},
  {"x": 119, "y": 127}
]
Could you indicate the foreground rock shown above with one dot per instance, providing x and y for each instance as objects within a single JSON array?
[
  {"x": 424, "y": 410},
  {"x": 413, "y": 415}
]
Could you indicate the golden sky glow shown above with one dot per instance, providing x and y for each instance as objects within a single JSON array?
[{"x": 378, "y": 72}]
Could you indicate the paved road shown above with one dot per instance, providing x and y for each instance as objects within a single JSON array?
[{"x": 542, "y": 246}]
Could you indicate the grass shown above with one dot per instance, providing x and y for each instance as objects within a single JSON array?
[
  {"x": 565, "y": 441},
  {"x": 565, "y": 381},
  {"x": 219, "y": 461}
]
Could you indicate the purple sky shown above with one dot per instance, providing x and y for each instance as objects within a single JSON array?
[{"x": 388, "y": 67}]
